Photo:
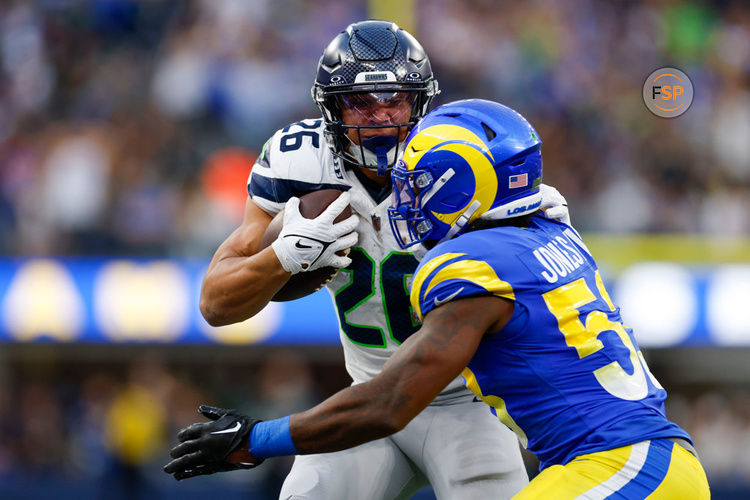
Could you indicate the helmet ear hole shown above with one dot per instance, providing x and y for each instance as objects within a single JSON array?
[{"x": 488, "y": 132}]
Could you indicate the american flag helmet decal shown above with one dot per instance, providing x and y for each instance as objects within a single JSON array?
[{"x": 518, "y": 181}]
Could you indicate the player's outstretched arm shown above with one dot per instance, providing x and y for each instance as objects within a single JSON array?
[{"x": 409, "y": 381}]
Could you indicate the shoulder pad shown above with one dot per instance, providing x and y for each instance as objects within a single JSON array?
[
  {"x": 445, "y": 275},
  {"x": 293, "y": 162}
]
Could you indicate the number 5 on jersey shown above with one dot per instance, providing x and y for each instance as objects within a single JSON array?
[{"x": 565, "y": 303}]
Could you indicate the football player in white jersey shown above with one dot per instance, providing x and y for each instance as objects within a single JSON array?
[{"x": 374, "y": 82}]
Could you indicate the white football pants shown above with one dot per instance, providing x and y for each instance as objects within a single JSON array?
[{"x": 462, "y": 450}]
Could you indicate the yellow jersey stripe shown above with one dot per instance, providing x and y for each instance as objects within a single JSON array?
[
  {"x": 497, "y": 403},
  {"x": 415, "y": 296},
  {"x": 477, "y": 272}
]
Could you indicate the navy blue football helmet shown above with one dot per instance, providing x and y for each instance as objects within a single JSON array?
[
  {"x": 372, "y": 67},
  {"x": 465, "y": 160}
]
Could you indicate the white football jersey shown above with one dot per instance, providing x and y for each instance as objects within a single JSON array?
[{"x": 371, "y": 296}]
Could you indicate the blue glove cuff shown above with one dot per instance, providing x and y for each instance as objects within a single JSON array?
[{"x": 272, "y": 439}]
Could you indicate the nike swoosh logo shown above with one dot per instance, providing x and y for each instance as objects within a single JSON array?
[
  {"x": 236, "y": 427},
  {"x": 300, "y": 245},
  {"x": 446, "y": 299}
]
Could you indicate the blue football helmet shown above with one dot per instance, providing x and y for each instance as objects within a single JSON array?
[
  {"x": 463, "y": 161},
  {"x": 372, "y": 65}
]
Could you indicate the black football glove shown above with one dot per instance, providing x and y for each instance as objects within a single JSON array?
[{"x": 204, "y": 446}]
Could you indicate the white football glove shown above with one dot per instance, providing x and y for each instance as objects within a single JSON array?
[
  {"x": 308, "y": 244},
  {"x": 554, "y": 204}
]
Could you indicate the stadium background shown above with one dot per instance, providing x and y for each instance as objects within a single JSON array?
[{"x": 126, "y": 134}]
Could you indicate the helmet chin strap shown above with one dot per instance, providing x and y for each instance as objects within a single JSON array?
[
  {"x": 462, "y": 221},
  {"x": 378, "y": 148}
]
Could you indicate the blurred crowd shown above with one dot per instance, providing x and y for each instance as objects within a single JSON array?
[
  {"x": 577, "y": 68},
  {"x": 104, "y": 430},
  {"x": 129, "y": 127}
]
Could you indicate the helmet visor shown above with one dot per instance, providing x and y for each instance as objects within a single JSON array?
[{"x": 377, "y": 108}]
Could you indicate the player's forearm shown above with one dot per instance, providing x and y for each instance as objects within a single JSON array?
[
  {"x": 353, "y": 416},
  {"x": 349, "y": 418},
  {"x": 409, "y": 381},
  {"x": 424, "y": 364},
  {"x": 237, "y": 287}
]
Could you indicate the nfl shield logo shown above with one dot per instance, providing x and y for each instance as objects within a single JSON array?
[{"x": 518, "y": 181}]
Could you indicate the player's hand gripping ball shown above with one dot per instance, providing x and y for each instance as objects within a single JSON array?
[{"x": 313, "y": 248}]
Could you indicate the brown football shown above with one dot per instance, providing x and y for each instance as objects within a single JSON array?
[{"x": 310, "y": 206}]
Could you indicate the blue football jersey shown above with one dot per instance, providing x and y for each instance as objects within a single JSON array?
[{"x": 564, "y": 373}]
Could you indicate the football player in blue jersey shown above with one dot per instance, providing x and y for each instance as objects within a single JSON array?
[{"x": 514, "y": 303}]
